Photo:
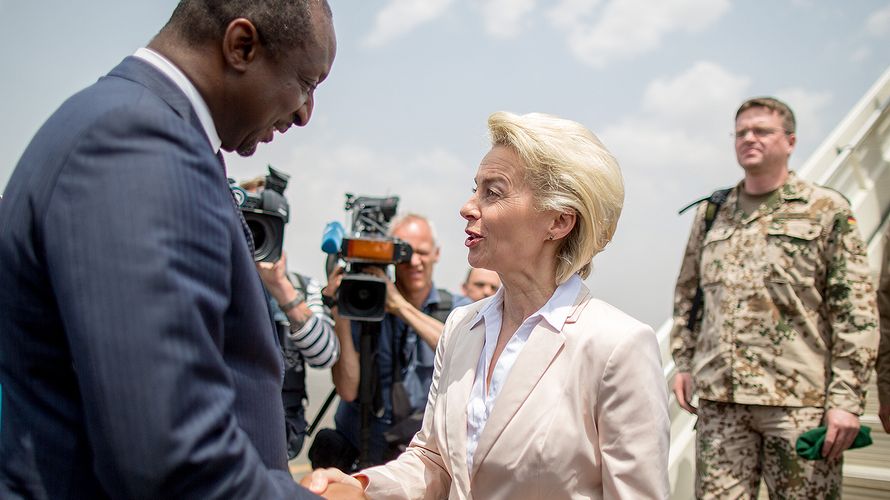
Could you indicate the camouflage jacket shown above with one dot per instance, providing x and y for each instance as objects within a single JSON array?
[
  {"x": 884, "y": 308},
  {"x": 789, "y": 315}
]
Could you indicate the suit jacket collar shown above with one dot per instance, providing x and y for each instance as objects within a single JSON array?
[{"x": 143, "y": 73}]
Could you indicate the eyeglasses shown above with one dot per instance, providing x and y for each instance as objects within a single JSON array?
[{"x": 759, "y": 132}]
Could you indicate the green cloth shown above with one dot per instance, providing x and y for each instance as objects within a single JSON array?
[{"x": 809, "y": 444}]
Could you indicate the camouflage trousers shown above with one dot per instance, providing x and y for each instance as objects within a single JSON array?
[{"x": 737, "y": 444}]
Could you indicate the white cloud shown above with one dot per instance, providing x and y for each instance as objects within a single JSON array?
[
  {"x": 697, "y": 98},
  {"x": 571, "y": 13},
  {"x": 622, "y": 29},
  {"x": 399, "y": 17},
  {"x": 682, "y": 130},
  {"x": 878, "y": 23},
  {"x": 860, "y": 54},
  {"x": 505, "y": 18}
]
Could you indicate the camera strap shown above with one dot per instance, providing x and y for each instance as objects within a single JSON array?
[{"x": 715, "y": 201}]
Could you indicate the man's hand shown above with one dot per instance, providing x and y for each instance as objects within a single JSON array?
[
  {"x": 333, "y": 483},
  {"x": 334, "y": 280},
  {"x": 884, "y": 415},
  {"x": 842, "y": 429},
  {"x": 683, "y": 391},
  {"x": 394, "y": 298},
  {"x": 275, "y": 279}
]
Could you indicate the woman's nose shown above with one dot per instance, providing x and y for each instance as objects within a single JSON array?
[{"x": 469, "y": 211}]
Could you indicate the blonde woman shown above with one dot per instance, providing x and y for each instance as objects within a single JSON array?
[{"x": 540, "y": 391}]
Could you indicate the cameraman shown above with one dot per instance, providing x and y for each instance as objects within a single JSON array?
[
  {"x": 415, "y": 315},
  {"x": 300, "y": 309}
]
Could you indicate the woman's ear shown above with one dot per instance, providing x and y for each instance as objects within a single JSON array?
[{"x": 562, "y": 224}]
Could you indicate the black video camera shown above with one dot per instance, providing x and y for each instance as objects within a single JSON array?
[
  {"x": 361, "y": 296},
  {"x": 266, "y": 213}
]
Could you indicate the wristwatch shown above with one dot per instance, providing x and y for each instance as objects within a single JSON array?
[{"x": 294, "y": 303}]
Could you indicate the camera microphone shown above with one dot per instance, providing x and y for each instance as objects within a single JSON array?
[{"x": 332, "y": 238}]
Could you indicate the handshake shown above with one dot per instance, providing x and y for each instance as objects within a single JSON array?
[{"x": 335, "y": 484}]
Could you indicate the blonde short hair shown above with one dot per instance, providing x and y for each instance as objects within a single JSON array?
[{"x": 567, "y": 168}]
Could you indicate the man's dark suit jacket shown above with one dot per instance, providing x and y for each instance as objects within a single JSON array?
[{"x": 137, "y": 355}]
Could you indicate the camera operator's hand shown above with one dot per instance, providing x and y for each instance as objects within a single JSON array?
[
  {"x": 291, "y": 301},
  {"x": 274, "y": 276},
  {"x": 395, "y": 302},
  {"x": 333, "y": 285},
  {"x": 427, "y": 327}
]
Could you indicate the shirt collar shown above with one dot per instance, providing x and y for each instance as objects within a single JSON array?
[
  {"x": 431, "y": 298},
  {"x": 170, "y": 70},
  {"x": 555, "y": 312}
]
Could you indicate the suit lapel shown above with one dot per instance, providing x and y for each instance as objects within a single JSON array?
[
  {"x": 542, "y": 347},
  {"x": 461, "y": 375}
]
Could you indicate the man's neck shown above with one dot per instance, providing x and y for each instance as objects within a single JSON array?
[
  {"x": 764, "y": 181},
  {"x": 195, "y": 63},
  {"x": 417, "y": 297}
]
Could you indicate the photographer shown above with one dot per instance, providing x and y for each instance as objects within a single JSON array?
[
  {"x": 300, "y": 309},
  {"x": 415, "y": 315}
]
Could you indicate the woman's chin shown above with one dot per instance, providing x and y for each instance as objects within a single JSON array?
[{"x": 475, "y": 260}]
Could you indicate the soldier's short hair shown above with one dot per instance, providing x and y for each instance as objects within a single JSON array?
[
  {"x": 567, "y": 168},
  {"x": 789, "y": 124}
]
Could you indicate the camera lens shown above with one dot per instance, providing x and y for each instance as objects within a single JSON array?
[
  {"x": 362, "y": 297},
  {"x": 258, "y": 231}
]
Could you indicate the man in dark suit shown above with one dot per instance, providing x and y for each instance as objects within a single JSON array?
[{"x": 137, "y": 355}]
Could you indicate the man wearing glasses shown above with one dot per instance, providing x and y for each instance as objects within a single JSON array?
[{"x": 775, "y": 322}]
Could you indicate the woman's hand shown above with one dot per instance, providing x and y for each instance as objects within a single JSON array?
[{"x": 318, "y": 481}]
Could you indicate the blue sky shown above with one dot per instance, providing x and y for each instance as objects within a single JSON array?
[{"x": 403, "y": 112}]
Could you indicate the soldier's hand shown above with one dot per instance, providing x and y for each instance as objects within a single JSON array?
[
  {"x": 683, "y": 391},
  {"x": 884, "y": 415},
  {"x": 842, "y": 429}
]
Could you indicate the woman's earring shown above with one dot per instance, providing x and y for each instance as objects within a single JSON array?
[{"x": 550, "y": 237}]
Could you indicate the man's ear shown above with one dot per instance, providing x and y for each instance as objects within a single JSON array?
[
  {"x": 241, "y": 43},
  {"x": 563, "y": 223}
]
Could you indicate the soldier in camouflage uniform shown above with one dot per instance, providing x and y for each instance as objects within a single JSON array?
[
  {"x": 787, "y": 336},
  {"x": 884, "y": 352}
]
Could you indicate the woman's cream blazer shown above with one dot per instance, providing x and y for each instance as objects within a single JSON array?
[{"x": 582, "y": 414}]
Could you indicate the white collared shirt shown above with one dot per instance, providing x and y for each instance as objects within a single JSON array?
[
  {"x": 170, "y": 70},
  {"x": 555, "y": 313}
]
